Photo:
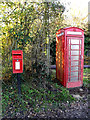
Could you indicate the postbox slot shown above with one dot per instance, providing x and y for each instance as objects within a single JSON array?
[{"x": 17, "y": 54}]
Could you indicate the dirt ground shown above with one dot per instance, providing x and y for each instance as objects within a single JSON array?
[{"x": 78, "y": 109}]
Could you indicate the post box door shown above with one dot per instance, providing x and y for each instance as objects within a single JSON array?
[
  {"x": 17, "y": 66},
  {"x": 75, "y": 59}
]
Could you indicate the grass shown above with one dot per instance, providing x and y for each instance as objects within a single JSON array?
[
  {"x": 32, "y": 97},
  {"x": 35, "y": 96},
  {"x": 86, "y": 75}
]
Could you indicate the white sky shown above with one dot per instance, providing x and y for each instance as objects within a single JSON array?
[{"x": 79, "y": 7}]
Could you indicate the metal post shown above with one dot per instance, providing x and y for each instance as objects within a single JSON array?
[{"x": 19, "y": 83}]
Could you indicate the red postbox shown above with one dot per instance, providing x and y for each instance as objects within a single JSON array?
[
  {"x": 69, "y": 56},
  {"x": 17, "y": 61}
]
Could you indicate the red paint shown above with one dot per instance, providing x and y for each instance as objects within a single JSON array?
[
  {"x": 70, "y": 56},
  {"x": 17, "y": 61}
]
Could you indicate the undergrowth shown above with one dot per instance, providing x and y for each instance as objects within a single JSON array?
[
  {"x": 33, "y": 96},
  {"x": 44, "y": 95}
]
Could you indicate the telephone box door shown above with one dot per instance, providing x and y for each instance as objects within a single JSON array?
[{"x": 74, "y": 61}]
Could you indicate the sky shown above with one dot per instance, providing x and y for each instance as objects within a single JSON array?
[{"x": 78, "y": 7}]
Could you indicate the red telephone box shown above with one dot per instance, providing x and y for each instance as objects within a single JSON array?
[
  {"x": 69, "y": 56},
  {"x": 17, "y": 57}
]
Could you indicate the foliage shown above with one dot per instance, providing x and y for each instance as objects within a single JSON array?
[
  {"x": 86, "y": 74},
  {"x": 86, "y": 44},
  {"x": 53, "y": 52},
  {"x": 30, "y": 27}
]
